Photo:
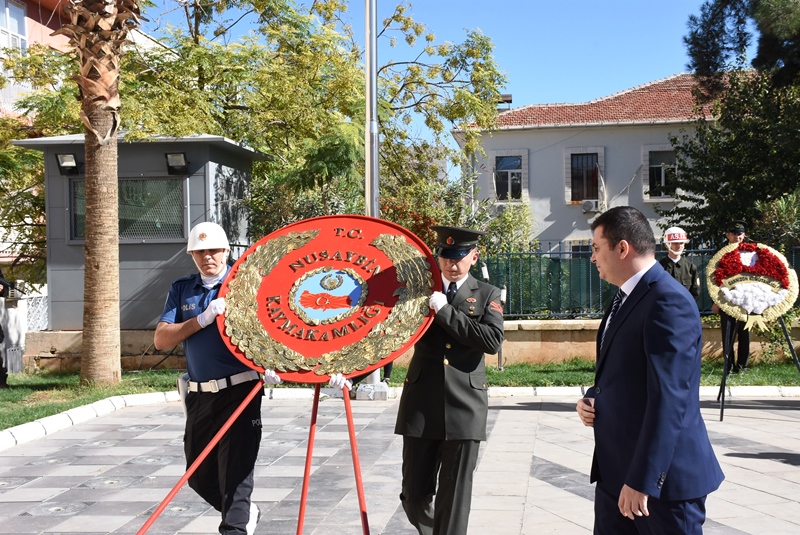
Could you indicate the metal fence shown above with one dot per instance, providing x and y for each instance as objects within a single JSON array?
[{"x": 564, "y": 283}]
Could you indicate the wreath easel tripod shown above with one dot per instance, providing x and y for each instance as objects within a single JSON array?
[{"x": 753, "y": 283}]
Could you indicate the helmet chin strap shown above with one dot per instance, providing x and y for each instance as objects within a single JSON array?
[
  {"x": 209, "y": 281},
  {"x": 676, "y": 253}
]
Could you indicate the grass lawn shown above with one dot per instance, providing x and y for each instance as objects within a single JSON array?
[{"x": 35, "y": 395}]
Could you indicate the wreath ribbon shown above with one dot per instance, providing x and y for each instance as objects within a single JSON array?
[{"x": 755, "y": 320}]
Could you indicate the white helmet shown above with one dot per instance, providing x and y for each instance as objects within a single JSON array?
[
  {"x": 675, "y": 235},
  {"x": 207, "y": 235}
]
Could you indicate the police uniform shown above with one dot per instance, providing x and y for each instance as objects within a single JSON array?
[
  {"x": 225, "y": 478},
  {"x": 685, "y": 272},
  {"x": 444, "y": 405}
]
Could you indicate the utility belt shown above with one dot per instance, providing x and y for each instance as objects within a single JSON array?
[{"x": 215, "y": 385}]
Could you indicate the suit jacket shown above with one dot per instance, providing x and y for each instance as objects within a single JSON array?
[
  {"x": 648, "y": 430},
  {"x": 445, "y": 396}
]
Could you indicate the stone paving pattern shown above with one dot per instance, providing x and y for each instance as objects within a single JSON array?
[{"x": 107, "y": 473}]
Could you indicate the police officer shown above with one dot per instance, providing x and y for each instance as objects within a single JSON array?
[
  {"x": 675, "y": 240},
  {"x": 218, "y": 384},
  {"x": 733, "y": 329},
  {"x": 444, "y": 405}
]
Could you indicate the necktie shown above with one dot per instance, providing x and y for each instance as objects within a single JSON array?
[
  {"x": 618, "y": 297},
  {"x": 451, "y": 291}
]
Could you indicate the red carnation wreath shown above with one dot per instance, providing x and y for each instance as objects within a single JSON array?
[{"x": 751, "y": 282}]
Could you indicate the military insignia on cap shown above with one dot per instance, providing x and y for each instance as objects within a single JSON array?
[
  {"x": 202, "y": 236},
  {"x": 450, "y": 240}
]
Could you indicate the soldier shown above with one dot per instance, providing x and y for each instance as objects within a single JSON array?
[
  {"x": 444, "y": 405},
  {"x": 733, "y": 329},
  {"x": 675, "y": 240}
]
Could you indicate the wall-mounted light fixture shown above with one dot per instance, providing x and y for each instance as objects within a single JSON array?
[
  {"x": 176, "y": 163},
  {"x": 67, "y": 164}
]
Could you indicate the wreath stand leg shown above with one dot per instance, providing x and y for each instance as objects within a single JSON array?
[
  {"x": 789, "y": 342},
  {"x": 200, "y": 458},
  {"x": 727, "y": 347},
  {"x": 353, "y": 449},
  {"x": 312, "y": 431}
]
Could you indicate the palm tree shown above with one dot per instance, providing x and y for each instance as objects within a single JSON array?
[{"x": 97, "y": 31}]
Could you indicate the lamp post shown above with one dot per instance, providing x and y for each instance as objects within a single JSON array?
[{"x": 373, "y": 387}]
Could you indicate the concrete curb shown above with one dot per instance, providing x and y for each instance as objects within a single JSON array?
[{"x": 23, "y": 433}]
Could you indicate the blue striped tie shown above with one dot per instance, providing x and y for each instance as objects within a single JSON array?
[{"x": 618, "y": 297}]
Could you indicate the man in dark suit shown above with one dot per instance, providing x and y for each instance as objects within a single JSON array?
[
  {"x": 653, "y": 462},
  {"x": 443, "y": 409}
]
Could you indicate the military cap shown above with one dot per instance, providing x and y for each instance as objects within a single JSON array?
[
  {"x": 455, "y": 242},
  {"x": 736, "y": 227}
]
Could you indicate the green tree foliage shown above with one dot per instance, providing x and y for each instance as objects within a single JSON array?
[
  {"x": 22, "y": 209},
  {"x": 719, "y": 38},
  {"x": 293, "y": 88},
  {"x": 749, "y": 157},
  {"x": 779, "y": 221},
  {"x": 747, "y": 160}
]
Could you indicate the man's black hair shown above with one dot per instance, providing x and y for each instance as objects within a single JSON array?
[{"x": 629, "y": 224}]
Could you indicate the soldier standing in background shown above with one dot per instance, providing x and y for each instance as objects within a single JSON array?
[{"x": 675, "y": 240}]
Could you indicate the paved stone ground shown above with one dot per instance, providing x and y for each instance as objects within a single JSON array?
[{"x": 106, "y": 473}]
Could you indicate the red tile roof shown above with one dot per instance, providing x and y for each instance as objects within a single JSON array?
[{"x": 666, "y": 100}]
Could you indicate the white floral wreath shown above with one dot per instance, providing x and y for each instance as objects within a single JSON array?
[{"x": 751, "y": 282}]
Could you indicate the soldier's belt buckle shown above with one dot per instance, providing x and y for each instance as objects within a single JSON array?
[{"x": 214, "y": 386}]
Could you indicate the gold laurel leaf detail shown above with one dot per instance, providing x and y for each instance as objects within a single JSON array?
[
  {"x": 406, "y": 317},
  {"x": 242, "y": 322}
]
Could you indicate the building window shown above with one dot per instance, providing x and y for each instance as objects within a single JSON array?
[
  {"x": 663, "y": 168},
  {"x": 149, "y": 209},
  {"x": 508, "y": 178},
  {"x": 583, "y": 172},
  {"x": 12, "y": 25},
  {"x": 509, "y": 175}
]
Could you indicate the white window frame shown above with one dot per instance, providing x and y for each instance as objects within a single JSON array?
[
  {"x": 6, "y": 35},
  {"x": 601, "y": 163},
  {"x": 523, "y": 155},
  {"x": 646, "y": 150}
]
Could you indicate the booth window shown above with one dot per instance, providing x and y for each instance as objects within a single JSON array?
[{"x": 149, "y": 209}]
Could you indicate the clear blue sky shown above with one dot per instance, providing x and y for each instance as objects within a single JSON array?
[{"x": 559, "y": 50}]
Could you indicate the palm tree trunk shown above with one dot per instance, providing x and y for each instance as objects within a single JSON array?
[
  {"x": 100, "y": 357},
  {"x": 97, "y": 31}
]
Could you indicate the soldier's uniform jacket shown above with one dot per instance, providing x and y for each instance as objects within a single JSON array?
[
  {"x": 684, "y": 272},
  {"x": 445, "y": 395}
]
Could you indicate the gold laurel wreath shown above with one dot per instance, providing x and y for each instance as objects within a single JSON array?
[
  {"x": 739, "y": 313},
  {"x": 245, "y": 330}
]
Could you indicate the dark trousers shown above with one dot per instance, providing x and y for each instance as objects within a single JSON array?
[
  {"x": 454, "y": 462},
  {"x": 225, "y": 478},
  {"x": 733, "y": 330},
  {"x": 685, "y": 517}
]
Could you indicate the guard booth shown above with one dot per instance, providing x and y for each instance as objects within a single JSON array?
[{"x": 166, "y": 186}]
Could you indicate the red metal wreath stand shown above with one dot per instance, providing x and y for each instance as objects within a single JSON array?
[{"x": 306, "y": 475}]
